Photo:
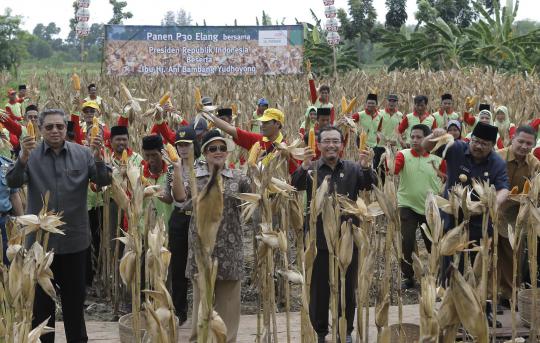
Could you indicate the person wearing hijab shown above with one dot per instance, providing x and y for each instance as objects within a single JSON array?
[
  {"x": 454, "y": 128},
  {"x": 311, "y": 116},
  {"x": 485, "y": 117},
  {"x": 502, "y": 122}
]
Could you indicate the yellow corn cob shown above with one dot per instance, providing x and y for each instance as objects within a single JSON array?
[
  {"x": 363, "y": 141},
  {"x": 254, "y": 154},
  {"x": 144, "y": 181},
  {"x": 95, "y": 128},
  {"x": 124, "y": 157},
  {"x": 526, "y": 187},
  {"x": 234, "y": 108},
  {"x": 164, "y": 99},
  {"x": 76, "y": 82},
  {"x": 30, "y": 129},
  {"x": 198, "y": 98},
  {"x": 343, "y": 104},
  {"x": 514, "y": 190},
  {"x": 311, "y": 139},
  {"x": 351, "y": 105},
  {"x": 171, "y": 151}
]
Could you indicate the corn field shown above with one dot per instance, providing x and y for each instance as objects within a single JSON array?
[{"x": 284, "y": 253}]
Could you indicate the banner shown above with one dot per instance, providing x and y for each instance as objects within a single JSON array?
[{"x": 203, "y": 50}]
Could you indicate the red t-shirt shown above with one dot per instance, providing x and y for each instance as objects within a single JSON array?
[
  {"x": 246, "y": 139},
  {"x": 314, "y": 96},
  {"x": 168, "y": 134}
]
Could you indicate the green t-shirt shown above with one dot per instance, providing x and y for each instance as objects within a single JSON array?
[
  {"x": 418, "y": 177},
  {"x": 162, "y": 209},
  {"x": 442, "y": 121},
  {"x": 389, "y": 124},
  {"x": 413, "y": 120},
  {"x": 370, "y": 125}
]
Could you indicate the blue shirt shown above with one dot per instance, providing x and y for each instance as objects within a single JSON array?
[
  {"x": 459, "y": 161},
  {"x": 5, "y": 190}
]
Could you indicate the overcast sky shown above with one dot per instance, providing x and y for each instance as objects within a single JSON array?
[{"x": 216, "y": 12}]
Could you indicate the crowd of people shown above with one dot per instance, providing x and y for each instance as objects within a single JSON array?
[{"x": 64, "y": 159}]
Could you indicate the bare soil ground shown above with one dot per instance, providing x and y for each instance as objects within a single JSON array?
[{"x": 98, "y": 308}]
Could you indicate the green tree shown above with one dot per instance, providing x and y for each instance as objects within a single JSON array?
[
  {"x": 183, "y": 18},
  {"x": 119, "y": 13},
  {"x": 266, "y": 20},
  {"x": 491, "y": 41},
  {"x": 11, "y": 42},
  {"x": 363, "y": 16},
  {"x": 180, "y": 18},
  {"x": 72, "y": 36},
  {"x": 458, "y": 12},
  {"x": 346, "y": 29},
  {"x": 321, "y": 55},
  {"x": 425, "y": 12},
  {"x": 169, "y": 19},
  {"x": 396, "y": 15},
  {"x": 46, "y": 32},
  {"x": 39, "y": 48}
]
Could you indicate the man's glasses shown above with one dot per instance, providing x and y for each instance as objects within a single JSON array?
[
  {"x": 222, "y": 148},
  {"x": 59, "y": 127},
  {"x": 484, "y": 145}
]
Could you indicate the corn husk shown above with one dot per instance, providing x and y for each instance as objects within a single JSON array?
[
  {"x": 468, "y": 307},
  {"x": 210, "y": 205},
  {"x": 292, "y": 275}
]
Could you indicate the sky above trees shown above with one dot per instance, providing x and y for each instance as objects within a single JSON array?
[{"x": 221, "y": 13}]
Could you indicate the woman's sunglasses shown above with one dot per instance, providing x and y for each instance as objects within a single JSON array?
[{"x": 214, "y": 148}]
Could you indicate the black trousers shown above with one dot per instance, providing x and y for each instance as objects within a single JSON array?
[
  {"x": 178, "y": 246},
  {"x": 410, "y": 222},
  {"x": 95, "y": 218},
  {"x": 377, "y": 154},
  {"x": 69, "y": 272},
  {"x": 320, "y": 293}
]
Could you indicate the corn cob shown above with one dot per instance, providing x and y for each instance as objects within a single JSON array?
[
  {"x": 526, "y": 187},
  {"x": 95, "y": 128},
  {"x": 254, "y": 154},
  {"x": 30, "y": 130},
  {"x": 363, "y": 141},
  {"x": 515, "y": 190},
  {"x": 76, "y": 82},
  {"x": 145, "y": 181},
  {"x": 343, "y": 104},
  {"x": 311, "y": 139},
  {"x": 351, "y": 105},
  {"x": 124, "y": 157},
  {"x": 164, "y": 99},
  {"x": 198, "y": 98},
  {"x": 234, "y": 108},
  {"x": 171, "y": 152}
]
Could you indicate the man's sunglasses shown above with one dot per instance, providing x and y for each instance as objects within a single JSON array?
[
  {"x": 214, "y": 148},
  {"x": 59, "y": 127}
]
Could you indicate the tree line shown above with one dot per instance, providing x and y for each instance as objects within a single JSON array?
[{"x": 447, "y": 34}]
